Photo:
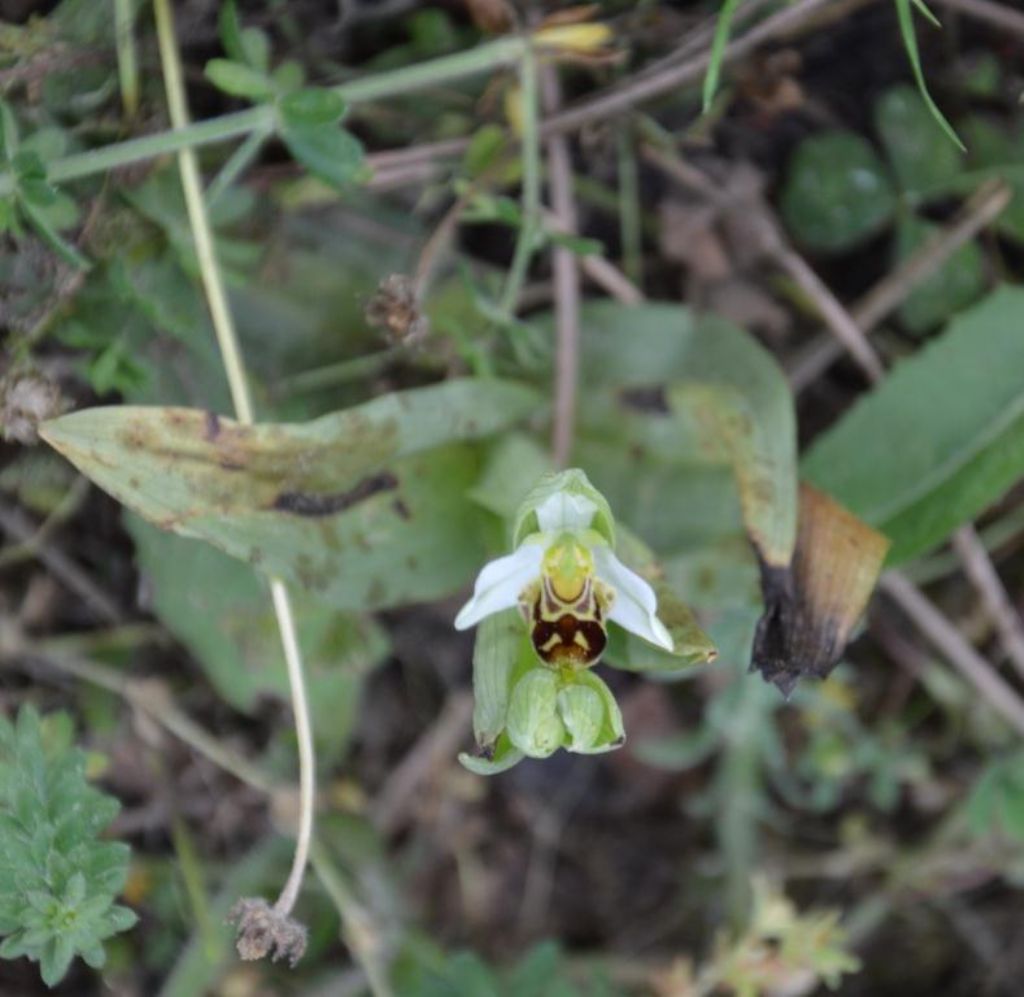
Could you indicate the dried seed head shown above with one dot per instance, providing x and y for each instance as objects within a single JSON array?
[
  {"x": 493, "y": 16},
  {"x": 263, "y": 931},
  {"x": 395, "y": 310},
  {"x": 26, "y": 399}
]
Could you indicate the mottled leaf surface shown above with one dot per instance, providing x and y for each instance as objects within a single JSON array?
[
  {"x": 339, "y": 505},
  {"x": 812, "y": 606}
]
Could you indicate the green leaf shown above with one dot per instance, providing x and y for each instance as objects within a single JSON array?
[
  {"x": 229, "y": 626},
  {"x": 941, "y": 439},
  {"x": 307, "y": 501},
  {"x": 514, "y": 464},
  {"x": 905, "y": 17},
  {"x": 312, "y": 106},
  {"x": 328, "y": 152},
  {"x": 577, "y": 245},
  {"x": 501, "y": 643},
  {"x": 40, "y": 219},
  {"x": 956, "y": 284},
  {"x": 239, "y": 80},
  {"x": 485, "y": 147},
  {"x": 678, "y": 393},
  {"x": 256, "y": 49},
  {"x": 920, "y": 155},
  {"x": 836, "y": 193},
  {"x": 994, "y": 149},
  {"x": 8, "y": 132},
  {"x": 249, "y": 46},
  {"x": 46, "y": 143}
]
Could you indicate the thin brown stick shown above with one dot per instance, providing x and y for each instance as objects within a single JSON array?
[
  {"x": 610, "y": 278},
  {"x": 20, "y": 528},
  {"x": 433, "y": 751},
  {"x": 625, "y": 96},
  {"x": 850, "y": 334},
  {"x": 985, "y": 205},
  {"x": 149, "y": 696},
  {"x": 982, "y": 574},
  {"x": 566, "y": 281},
  {"x": 775, "y": 246},
  {"x": 700, "y": 37},
  {"x": 949, "y": 642},
  {"x": 846, "y": 330},
  {"x": 996, "y": 14}
]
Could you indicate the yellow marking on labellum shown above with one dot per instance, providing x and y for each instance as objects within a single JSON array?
[{"x": 566, "y": 609}]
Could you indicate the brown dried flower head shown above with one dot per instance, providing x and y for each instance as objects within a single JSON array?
[
  {"x": 26, "y": 399},
  {"x": 395, "y": 310},
  {"x": 263, "y": 931},
  {"x": 495, "y": 17}
]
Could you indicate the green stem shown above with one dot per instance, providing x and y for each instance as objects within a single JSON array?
[
  {"x": 630, "y": 228},
  {"x": 531, "y": 184},
  {"x": 127, "y": 56},
  {"x": 239, "y": 161},
  {"x": 234, "y": 367},
  {"x": 331, "y": 375},
  {"x": 360, "y": 932},
  {"x": 192, "y": 876},
  {"x": 436, "y": 72}
]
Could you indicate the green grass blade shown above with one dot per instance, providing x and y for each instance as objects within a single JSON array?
[
  {"x": 926, "y": 13},
  {"x": 718, "y": 43},
  {"x": 905, "y": 15}
]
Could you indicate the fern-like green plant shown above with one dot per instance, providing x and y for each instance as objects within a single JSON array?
[{"x": 58, "y": 880}]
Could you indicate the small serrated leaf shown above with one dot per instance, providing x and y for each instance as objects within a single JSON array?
[{"x": 63, "y": 880}]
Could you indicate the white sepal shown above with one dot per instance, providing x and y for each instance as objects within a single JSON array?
[
  {"x": 499, "y": 583},
  {"x": 636, "y": 606}
]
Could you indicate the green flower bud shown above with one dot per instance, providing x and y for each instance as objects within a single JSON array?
[
  {"x": 533, "y": 723},
  {"x": 583, "y": 714},
  {"x": 587, "y": 704}
]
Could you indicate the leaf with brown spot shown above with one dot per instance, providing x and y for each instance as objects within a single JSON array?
[
  {"x": 342, "y": 505},
  {"x": 812, "y": 606}
]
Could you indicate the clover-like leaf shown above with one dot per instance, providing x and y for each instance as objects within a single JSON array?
[
  {"x": 328, "y": 152},
  {"x": 239, "y": 80},
  {"x": 837, "y": 192}
]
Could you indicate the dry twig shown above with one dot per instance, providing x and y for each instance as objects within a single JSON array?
[
  {"x": 566, "y": 280},
  {"x": 997, "y": 15},
  {"x": 20, "y": 528},
  {"x": 985, "y": 205},
  {"x": 949, "y": 642}
]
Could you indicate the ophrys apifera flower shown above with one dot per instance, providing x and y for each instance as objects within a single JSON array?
[{"x": 565, "y": 578}]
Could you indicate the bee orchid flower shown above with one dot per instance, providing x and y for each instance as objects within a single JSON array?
[{"x": 565, "y": 578}]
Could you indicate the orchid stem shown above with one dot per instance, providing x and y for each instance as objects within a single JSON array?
[
  {"x": 235, "y": 370},
  {"x": 530, "y": 213}
]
